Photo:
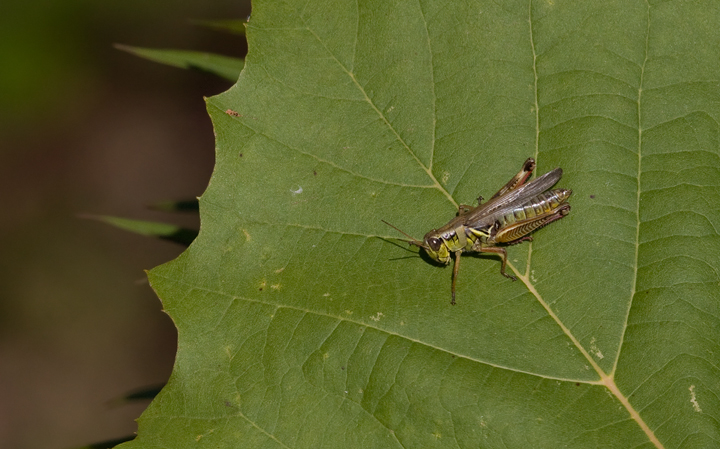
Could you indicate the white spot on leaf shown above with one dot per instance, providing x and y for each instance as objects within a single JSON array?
[{"x": 693, "y": 399}]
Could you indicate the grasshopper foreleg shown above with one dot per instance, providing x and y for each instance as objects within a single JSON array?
[{"x": 456, "y": 267}]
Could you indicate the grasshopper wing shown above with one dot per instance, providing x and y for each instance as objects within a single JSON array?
[{"x": 480, "y": 214}]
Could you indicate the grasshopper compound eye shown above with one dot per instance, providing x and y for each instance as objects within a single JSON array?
[{"x": 434, "y": 243}]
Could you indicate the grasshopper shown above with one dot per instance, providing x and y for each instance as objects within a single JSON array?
[{"x": 515, "y": 211}]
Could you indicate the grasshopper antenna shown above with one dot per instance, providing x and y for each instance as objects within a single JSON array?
[{"x": 412, "y": 241}]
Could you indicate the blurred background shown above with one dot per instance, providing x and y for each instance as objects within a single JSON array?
[{"x": 88, "y": 129}]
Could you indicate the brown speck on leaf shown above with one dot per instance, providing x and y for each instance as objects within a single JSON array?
[
  {"x": 592, "y": 197},
  {"x": 260, "y": 289},
  {"x": 233, "y": 113},
  {"x": 577, "y": 384},
  {"x": 314, "y": 173},
  {"x": 240, "y": 154}
]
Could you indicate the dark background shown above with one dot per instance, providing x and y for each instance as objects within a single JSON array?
[{"x": 85, "y": 128}]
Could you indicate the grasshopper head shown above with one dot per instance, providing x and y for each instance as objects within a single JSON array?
[
  {"x": 432, "y": 243},
  {"x": 435, "y": 247}
]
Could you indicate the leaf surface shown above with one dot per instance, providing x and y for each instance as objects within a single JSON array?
[{"x": 304, "y": 323}]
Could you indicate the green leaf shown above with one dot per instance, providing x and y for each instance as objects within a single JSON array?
[
  {"x": 224, "y": 66},
  {"x": 164, "y": 231},
  {"x": 303, "y": 324},
  {"x": 177, "y": 206},
  {"x": 232, "y": 26}
]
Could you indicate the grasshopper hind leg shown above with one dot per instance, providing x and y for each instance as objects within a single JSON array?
[
  {"x": 527, "y": 238},
  {"x": 519, "y": 231},
  {"x": 517, "y": 180}
]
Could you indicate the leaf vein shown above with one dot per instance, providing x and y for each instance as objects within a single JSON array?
[{"x": 428, "y": 170}]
